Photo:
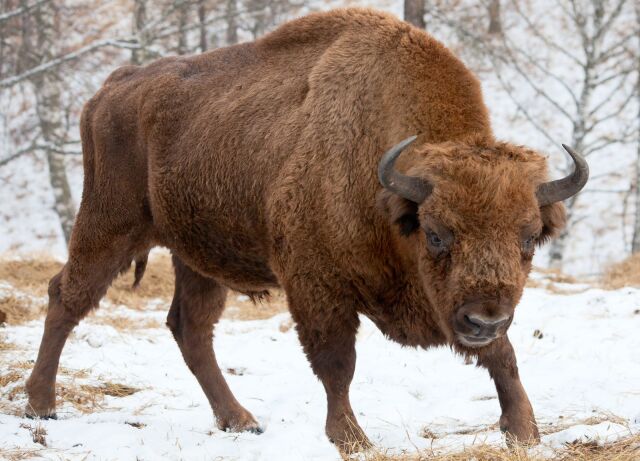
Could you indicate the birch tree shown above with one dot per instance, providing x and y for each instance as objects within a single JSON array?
[
  {"x": 635, "y": 242},
  {"x": 232, "y": 25},
  {"x": 495, "y": 23},
  {"x": 414, "y": 12},
  {"x": 48, "y": 88}
]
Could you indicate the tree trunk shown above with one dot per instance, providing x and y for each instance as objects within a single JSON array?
[
  {"x": 202, "y": 26},
  {"x": 414, "y": 12},
  {"x": 495, "y": 24},
  {"x": 232, "y": 26},
  {"x": 589, "y": 45},
  {"x": 559, "y": 245},
  {"x": 140, "y": 55},
  {"x": 48, "y": 88},
  {"x": 183, "y": 19},
  {"x": 635, "y": 242},
  {"x": 3, "y": 5}
]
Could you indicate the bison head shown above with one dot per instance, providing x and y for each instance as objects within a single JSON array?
[{"x": 471, "y": 215}]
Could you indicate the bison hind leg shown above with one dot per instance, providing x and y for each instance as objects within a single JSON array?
[{"x": 95, "y": 259}]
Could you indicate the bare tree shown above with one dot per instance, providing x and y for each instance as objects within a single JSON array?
[
  {"x": 414, "y": 12},
  {"x": 495, "y": 23},
  {"x": 202, "y": 26},
  {"x": 604, "y": 50},
  {"x": 140, "y": 55},
  {"x": 232, "y": 26},
  {"x": 635, "y": 241},
  {"x": 48, "y": 88},
  {"x": 182, "y": 7}
]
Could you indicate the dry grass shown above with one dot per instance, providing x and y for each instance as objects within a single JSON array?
[
  {"x": 85, "y": 398},
  {"x": 19, "y": 454},
  {"x": 627, "y": 449},
  {"x": 33, "y": 275},
  {"x": 563, "y": 424},
  {"x": 240, "y": 307},
  {"x": 30, "y": 277},
  {"x": 10, "y": 377},
  {"x": 124, "y": 323},
  {"x": 158, "y": 282},
  {"x": 19, "y": 308},
  {"x": 6, "y": 345},
  {"x": 623, "y": 274},
  {"x": 37, "y": 431}
]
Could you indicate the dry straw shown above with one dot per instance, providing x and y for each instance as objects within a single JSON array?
[{"x": 623, "y": 274}]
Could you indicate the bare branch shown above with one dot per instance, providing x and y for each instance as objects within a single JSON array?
[
  {"x": 535, "y": 30},
  {"x": 17, "y": 154},
  {"x": 46, "y": 66},
  {"x": 505, "y": 85},
  {"x": 536, "y": 63},
  {"x": 31, "y": 148},
  {"x": 12, "y": 14}
]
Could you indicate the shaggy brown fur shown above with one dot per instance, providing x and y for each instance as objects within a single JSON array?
[{"x": 256, "y": 165}]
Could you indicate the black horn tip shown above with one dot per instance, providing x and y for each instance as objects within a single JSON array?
[
  {"x": 562, "y": 189},
  {"x": 582, "y": 167}
]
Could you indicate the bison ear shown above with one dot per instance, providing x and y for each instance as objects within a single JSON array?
[
  {"x": 400, "y": 211},
  {"x": 554, "y": 218}
]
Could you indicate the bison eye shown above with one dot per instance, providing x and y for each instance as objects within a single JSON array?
[
  {"x": 434, "y": 240},
  {"x": 436, "y": 245},
  {"x": 528, "y": 244}
]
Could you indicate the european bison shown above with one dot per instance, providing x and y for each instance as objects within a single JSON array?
[{"x": 259, "y": 166}]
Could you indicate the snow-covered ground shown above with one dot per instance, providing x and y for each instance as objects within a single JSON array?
[{"x": 581, "y": 369}]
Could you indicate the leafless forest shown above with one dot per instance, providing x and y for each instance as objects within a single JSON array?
[{"x": 569, "y": 72}]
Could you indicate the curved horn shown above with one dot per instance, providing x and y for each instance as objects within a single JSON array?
[
  {"x": 561, "y": 189},
  {"x": 409, "y": 187}
]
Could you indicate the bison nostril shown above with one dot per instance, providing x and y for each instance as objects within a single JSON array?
[
  {"x": 475, "y": 326},
  {"x": 487, "y": 322}
]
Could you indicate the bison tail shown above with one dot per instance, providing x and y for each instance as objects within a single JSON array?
[{"x": 141, "y": 266}]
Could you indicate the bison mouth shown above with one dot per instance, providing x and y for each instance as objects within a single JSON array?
[{"x": 475, "y": 341}]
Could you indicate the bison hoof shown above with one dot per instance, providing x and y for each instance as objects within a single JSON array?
[
  {"x": 349, "y": 439},
  {"x": 523, "y": 432},
  {"x": 242, "y": 421},
  {"x": 31, "y": 413}
]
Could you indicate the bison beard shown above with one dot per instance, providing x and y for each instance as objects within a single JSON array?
[{"x": 256, "y": 166}]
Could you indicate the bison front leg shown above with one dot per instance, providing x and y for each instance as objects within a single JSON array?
[
  {"x": 197, "y": 305},
  {"x": 517, "y": 420},
  {"x": 328, "y": 335}
]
